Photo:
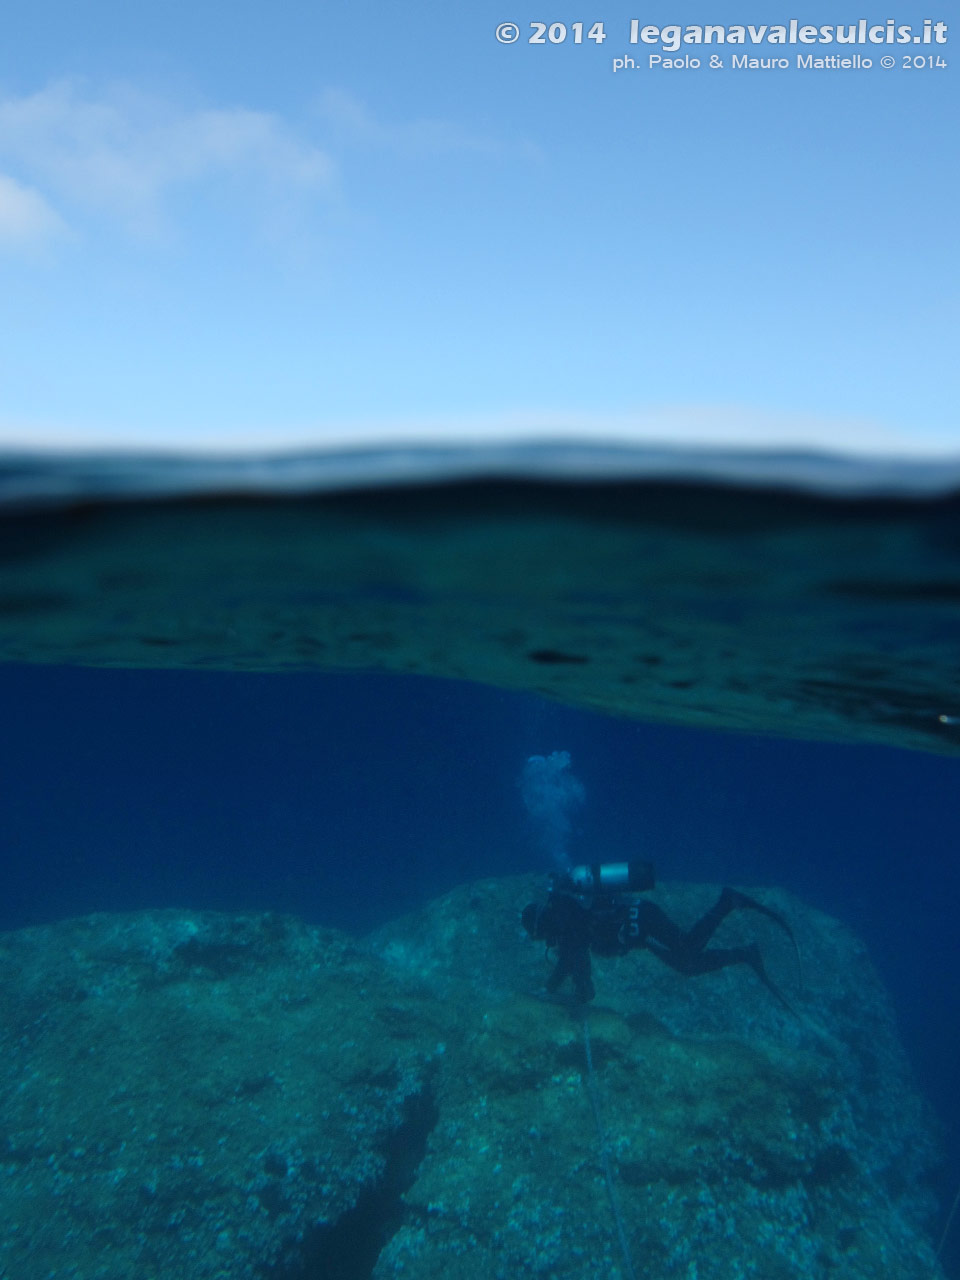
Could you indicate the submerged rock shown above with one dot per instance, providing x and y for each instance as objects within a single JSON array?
[
  {"x": 197, "y": 1096},
  {"x": 210, "y": 1096},
  {"x": 744, "y": 1140}
]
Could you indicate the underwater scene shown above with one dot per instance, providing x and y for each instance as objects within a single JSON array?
[{"x": 544, "y": 867}]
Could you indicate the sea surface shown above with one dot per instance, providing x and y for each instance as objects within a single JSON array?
[{"x": 319, "y": 697}]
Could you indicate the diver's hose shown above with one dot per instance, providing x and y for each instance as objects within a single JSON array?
[{"x": 605, "y": 1156}]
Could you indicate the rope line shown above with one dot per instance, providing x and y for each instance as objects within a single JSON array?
[{"x": 605, "y": 1156}]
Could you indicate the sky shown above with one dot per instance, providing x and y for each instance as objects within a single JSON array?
[{"x": 263, "y": 224}]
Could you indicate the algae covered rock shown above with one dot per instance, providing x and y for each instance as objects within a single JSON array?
[
  {"x": 193, "y": 1095},
  {"x": 227, "y": 1097},
  {"x": 743, "y": 1138}
]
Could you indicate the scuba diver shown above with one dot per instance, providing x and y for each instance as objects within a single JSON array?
[{"x": 585, "y": 911}]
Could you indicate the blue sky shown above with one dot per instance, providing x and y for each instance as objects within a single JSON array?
[{"x": 269, "y": 223}]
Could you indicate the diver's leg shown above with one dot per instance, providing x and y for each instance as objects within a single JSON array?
[
  {"x": 653, "y": 922},
  {"x": 729, "y": 900},
  {"x": 733, "y": 900},
  {"x": 696, "y": 938},
  {"x": 713, "y": 958},
  {"x": 573, "y": 962},
  {"x": 583, "y": 987},
  {"x": 707, "y": 960},
  {"x": 558, "y": 974},
  {"x": 687, "y": 951},
  {"x": 746, "y": 903},
  {"x": 679, "y": 947}
]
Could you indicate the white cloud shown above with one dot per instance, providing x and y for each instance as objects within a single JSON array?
[
  {"x": 124, "y": 153},
  {"x": 26, "y": 219},
  {"x": 356, "y": 122},
  {"x": 125, "y": 156}
]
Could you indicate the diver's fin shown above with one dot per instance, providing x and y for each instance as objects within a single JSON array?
[
  {"x": 744, "y": 901},
  {"x": 747, "y": 903},
  {"x": 754, "y": 959}
]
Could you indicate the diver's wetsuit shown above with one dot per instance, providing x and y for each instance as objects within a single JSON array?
[{"x": 612, "y": 927}]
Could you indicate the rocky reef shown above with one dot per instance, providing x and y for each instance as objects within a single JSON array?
[{"x": 224, "y": 1097}]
